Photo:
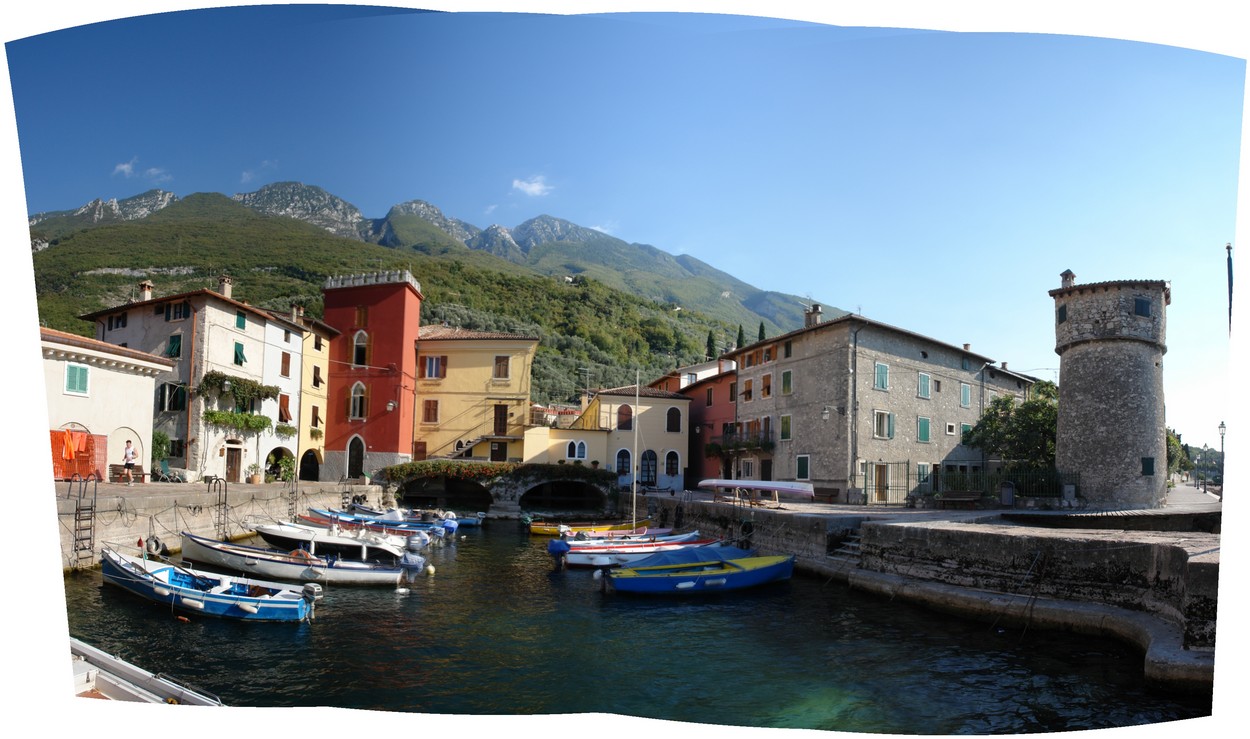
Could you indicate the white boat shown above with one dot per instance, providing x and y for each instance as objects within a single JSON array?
[
  {"x": 592, "y": 541},
  {"x": 365, "y": 546},
  {"x": 619, "y": 554},
  {"x": 98, "y": 674},
  {"x": 298, "y": 565}
]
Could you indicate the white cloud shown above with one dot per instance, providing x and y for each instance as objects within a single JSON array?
[
  {"x": 250, "y": 174},
  {"x": 126, "y": 169},
  {"x": 151, "y": 174},
  {"x": 608, "y": 228},
  {"x": 491, "y": 208},
  {"x": 535, "y": 186}
]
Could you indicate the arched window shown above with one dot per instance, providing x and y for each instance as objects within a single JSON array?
[
  {"x": 571, "y": 452},
  {"x": 360, "y": 349},
  {"x": 623, "y": 466},
  {"x": 674, "y": 420},
  {"x": 581, "y": 450},
  {"x": 671, "y": 464},
  {"x": 646, "y": 475},
  {"x": 359, "y": 407},
  {"x": 624, "y": 418}
]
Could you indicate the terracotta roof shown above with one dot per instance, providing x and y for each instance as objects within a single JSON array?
[
  {"x": 452, "y": 333},
  {"x": 84, "y": 342},
  {"x": 203, "y": 292},
  {"x": 644, "y": 392},
  {"x": 1167, "y": 289}
]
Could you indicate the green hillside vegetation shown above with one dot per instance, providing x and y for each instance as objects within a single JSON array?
[{"x": 276, "y": 261}]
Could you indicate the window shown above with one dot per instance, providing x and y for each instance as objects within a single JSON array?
[
  {"x": 174, "y": 348},
  {"x": 966, "y": 363},
  {"x": 785, "y": 428},
  {"x": 746, "y": 468},
  {"x": 881, "y": 378},
  {"x": 922, "y": 429},
  {"x": 950, "y": 429},
  {"x": 923, "y": 476},
  {"x": 733, "y": 391},
  {"x": 317, "y": 376},
  {"x": 171, "y": 397},
  {"x": 362, "y": 316},
  {"x": 316, "y": 417},
  {"x": 964, "y": 428},
  {"x": 883, "y": 424},
  {"x": 317, "y": 342},
  {"x": 502, "y": 367},
  {"x": 175, "y": 311},
  {"x": 434, "y": 367},
  {"x": 747, "y": 390},
  {"x": 360, "y": 349},
  {"x": 766, "y": 386},
  {"x": 576, "y": 450},
  {"x": 1141, "y": 307},
  {"x": 429, "y": 411},
  {"x": 922, "y": 385},
  {"x": 937, "y": 386},
  {"x": 622, "y": 462},
  {"x": 1061, "y": 313},
  {"x": 786, "y": 349},
  {"x": 802, "y": 467},
  {"x": 672, "y": 464},
  {"x": 118, "y": 321},
  {"x": 240, "y": 319},
  {"x": 284, "y": 408},
  {"x": 286, "y": 336},
  {"x": 673, "y": 420},
  {"x": 239, "y": 357},
  {"x": 76, "y": 376},
  {"x": 624, "y": 418},
  {"x": 965, "y": 395},
  {"x": 787, "y": 382},
  {"x": 359, "y": 402},
  {"x": 649, "y": 461},
  {"x": 177, "y": 448},
  {"x": 1147, "y": 465},
  {"x": 709, "y": 396},
  {"x": 286, "y": 365}
]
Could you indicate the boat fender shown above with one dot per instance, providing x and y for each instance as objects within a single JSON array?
[
  {"x": 184, "y": 619},
  {"x": 154, "y": 546}
]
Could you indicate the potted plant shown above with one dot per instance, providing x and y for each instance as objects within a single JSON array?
[{"x": 253, "y": 474}]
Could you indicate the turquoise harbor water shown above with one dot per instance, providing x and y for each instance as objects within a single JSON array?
[{"x": 496, "y": 631}]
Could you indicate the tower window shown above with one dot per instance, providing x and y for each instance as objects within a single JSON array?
[
  {"x": 1141, "y": 307},
  {"x": 1147, "y": 465},
  {"x": 1061, "y": 315}
]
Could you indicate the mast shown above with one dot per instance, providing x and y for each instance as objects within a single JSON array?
[{"x": 637, "y": 462}]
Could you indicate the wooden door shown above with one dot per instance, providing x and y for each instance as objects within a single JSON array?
[
  {"x": 882, "y": 485},
  {"x": 501, "y": 420},
  {"x": 234, "y": 464}
]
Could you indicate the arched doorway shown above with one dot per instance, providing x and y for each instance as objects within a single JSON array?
[
  {"x": 310, "y": 466},
  {"x": 356, "y": 457}
]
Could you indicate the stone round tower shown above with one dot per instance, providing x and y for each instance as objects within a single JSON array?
[{"x": 1110, "y": 338}]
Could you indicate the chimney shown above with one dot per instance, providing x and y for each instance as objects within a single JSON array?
[
  {"x": 145, "y": 290},
  {"x": 1069, "y": 278},
  {"x": 1003, "y": 365},
  {"x": 224, "y": 284},
  {"x": 296, "y": 312},
  {"x": 967, "y": 347},
  {"x": 811, "y": 316}
]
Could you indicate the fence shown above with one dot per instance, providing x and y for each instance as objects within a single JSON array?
[{"x": 898, "y": 483}]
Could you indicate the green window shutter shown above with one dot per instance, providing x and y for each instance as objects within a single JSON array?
[
  {"x": 239, "y": 358},
  {"x": 240, "y": 320},
  {"x": 922, "y": 429},
  {"x": 889, "y": 434},
  {"x": 75, "y": 378},
  {"x": 923, "y": 389},
  {"x": 175, "y": 346},
  {"x": 1147, "y": 465},
  {"x": 801, "y": 467},
  {"x": 882, "y": 379}
]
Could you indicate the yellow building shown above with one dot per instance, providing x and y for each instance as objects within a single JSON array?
[
  {"x": 314, "y": 397},
  {"x": 473, "y": 393},
  {"x": 626, "y": 430}
]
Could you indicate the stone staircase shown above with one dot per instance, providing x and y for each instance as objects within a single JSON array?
[{"x": 847, "y": 554}]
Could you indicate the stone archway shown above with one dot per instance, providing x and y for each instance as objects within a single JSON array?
[
  {"x": 356, "y": 457},
  {"x": 309, "y": 466}
]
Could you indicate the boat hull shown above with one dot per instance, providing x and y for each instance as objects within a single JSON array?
[
  {"x": 549, "y": 528},
  {"x": 713, "y": 576},
  {"x": 615, "y": 556},
  {"x": 206, "y": 593},
  {"x": 297, "y": 566},
  {"x": 323, "y": 542}
]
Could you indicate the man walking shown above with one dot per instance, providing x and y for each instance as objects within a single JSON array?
[{"x": 128, "y": 461}]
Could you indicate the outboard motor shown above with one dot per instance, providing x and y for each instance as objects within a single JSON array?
[
  {"x": 312, "y": 592},
  {"x": 558, "y": 549}
]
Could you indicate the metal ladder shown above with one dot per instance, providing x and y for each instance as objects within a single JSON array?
[
  {"x": 221, "y": 487},
  {"x": 83, "y": 551}
]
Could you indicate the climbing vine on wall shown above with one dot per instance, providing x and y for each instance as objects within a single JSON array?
[{"x": 243, "y": 389}]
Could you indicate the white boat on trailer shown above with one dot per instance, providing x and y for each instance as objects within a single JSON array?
[{"x": 748, "y": 491}]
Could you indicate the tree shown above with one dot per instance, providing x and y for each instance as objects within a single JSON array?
[
  {"x": 761, "y": 330},
  {"x": 742, "y": 337},
  {"x": 1178, "y": 454},
  {"x": 711, "y": 345},
  {"x": 1022, "y": 434}
]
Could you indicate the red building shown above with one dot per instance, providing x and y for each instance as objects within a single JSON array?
[
  {"x": 713, "y": 415},
  {"x": 373, "y": 370}
]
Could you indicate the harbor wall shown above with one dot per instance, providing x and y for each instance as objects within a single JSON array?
[
  {"x": 192, "y": 507},
  {"x": 1154, "y": 590}
]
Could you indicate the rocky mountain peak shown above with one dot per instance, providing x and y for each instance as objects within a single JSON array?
[
  {"x": 453, "y": 227},
  {"x": 307, "y": 203}
]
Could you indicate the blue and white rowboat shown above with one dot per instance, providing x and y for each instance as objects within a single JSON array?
[{"x": 209, "y": 593}]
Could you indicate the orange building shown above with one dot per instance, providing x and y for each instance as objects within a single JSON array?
[{"x": 372, "y": 372}]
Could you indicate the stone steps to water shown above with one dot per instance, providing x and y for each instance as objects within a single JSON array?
[{"x": 848, "y": 551}]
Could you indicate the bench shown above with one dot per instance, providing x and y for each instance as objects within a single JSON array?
[
  {"x": 117, "y": 473},
  {"x": 971, "y": 497}
]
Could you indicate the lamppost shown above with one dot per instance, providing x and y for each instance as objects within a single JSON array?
[{"x": 1223, "y": 428}]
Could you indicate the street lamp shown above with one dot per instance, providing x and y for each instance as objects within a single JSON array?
[{"x": 1223, "y": 428}]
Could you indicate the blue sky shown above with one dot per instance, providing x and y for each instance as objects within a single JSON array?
[{"x": 936, "y": 180}]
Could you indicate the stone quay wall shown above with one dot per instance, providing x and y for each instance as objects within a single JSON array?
[
  {"x": 1154, "y": 590},
  {"x": 192, "y": 507}
]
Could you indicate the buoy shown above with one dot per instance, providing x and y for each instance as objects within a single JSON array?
[
  {"x": 598, "y": 575},
  {"x": 401, "y": 591},
  {"x": 429, "y": 570},
  {"x": 184, "y": 619}
]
